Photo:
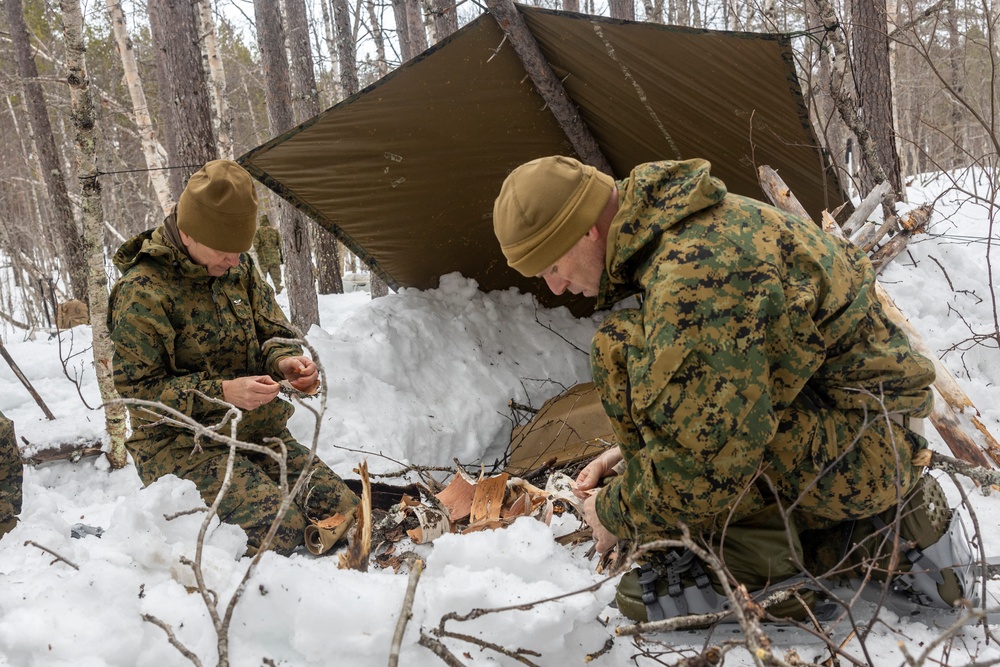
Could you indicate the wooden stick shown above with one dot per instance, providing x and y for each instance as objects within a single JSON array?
[
  {"x": 416, "y": 568},
  {"x": 944, "y": 418},
  {"x": 25, "y": 382},
  {"x": 548, "y": 84}
]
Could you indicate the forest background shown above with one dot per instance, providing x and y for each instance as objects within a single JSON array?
[{"x": 110, "y": 105}]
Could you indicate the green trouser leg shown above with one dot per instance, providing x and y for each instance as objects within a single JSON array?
[
  {"x": 11, "y": 476},
  {"x": 254, "y": 495}
]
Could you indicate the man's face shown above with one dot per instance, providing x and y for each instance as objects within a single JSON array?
[
  {"x": 214, "y": 261},
  {"x": 580, "y": 269}
]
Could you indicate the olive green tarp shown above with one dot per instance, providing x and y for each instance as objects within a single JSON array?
[{"x": 405, "y": 172}]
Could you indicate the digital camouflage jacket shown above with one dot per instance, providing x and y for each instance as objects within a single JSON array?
[
  {"x": 744, "y": 310},
  {"x": 178, "y": 331}
]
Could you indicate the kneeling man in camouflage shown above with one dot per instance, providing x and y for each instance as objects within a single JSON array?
[
  {"x": 193, "y": 324},
  {"x": 758, "y": 392}
]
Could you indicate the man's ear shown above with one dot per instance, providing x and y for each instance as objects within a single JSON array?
[
  {"x": 185, "y": 239},
  {"x": 592, "y": 234}
]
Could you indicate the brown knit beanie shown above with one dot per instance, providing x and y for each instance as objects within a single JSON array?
[
  {"x": 218, "y": 208},
  {"x": 545, "y": 206}
]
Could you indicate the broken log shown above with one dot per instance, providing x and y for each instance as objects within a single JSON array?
[
  {"x": 25, "y": 382},
  {"x": 945, "y": 418},
  {"x": 865, "y": 208},
  {"x": 548, "y": 84},
  {"x": 72, "y": 451}
]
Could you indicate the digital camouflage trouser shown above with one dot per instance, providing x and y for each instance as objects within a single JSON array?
[
  {"x": 273, "y": 270},
  {"x": 11, "y": 476},
  {"x": 254, "y": 496}
]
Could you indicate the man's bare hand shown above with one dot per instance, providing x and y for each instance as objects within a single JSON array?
[
  {"x": 603, "y": 538},
  {"x": 250, "y": 393},
  {"x": 597, "y": 470},
  {"x": 300, "y": 372}
]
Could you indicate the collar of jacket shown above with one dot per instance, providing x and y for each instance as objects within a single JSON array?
[
  {"x": 656, "y": 196},
  {"x": 153, "y": 245}
]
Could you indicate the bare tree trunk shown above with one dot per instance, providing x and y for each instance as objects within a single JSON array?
[
  {"x": 302, "y": 300},
  {"x": 873, "y": 78},
  {"x": 571, "y": 5},
  {"x": 329, "y": 35},
  {"x": 70, "y": 241},
  {"x": 190, "y": 144},
  {"x": 956, "y": 156},
  {"x": 622, "y": 9},
  {"x": 445, "y": 14},
  {"x": 378, "y": 38},
  {"x": 306, "y": 104},
  {"x": 410, "y": 28},
  {"x": 93, "y": 228},
  {"x": 151, "y": 148},
  {"x": 222, "y": 118}
]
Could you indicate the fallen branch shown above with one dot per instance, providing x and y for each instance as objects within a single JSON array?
[
  {"x": 416, "y": 568},
  {"x": 440, "y": 650},
  {"x": 25, "y": 382},
  {"x": 71, "y": 451},
  {"x": 50, "y": 551}
]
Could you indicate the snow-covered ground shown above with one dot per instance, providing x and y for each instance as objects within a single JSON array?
[{"x": 414, "y": 378}]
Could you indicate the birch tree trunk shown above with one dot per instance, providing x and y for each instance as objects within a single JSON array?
[
  {"x": 222, "y": 118},
  {"x": 306, "y": 105},
  {"x": 70, "y": 241},
  {"x": 190, "y": 144},
  {"x": 302, "y": 300},
  {"x": 152, "y": 150},
  {"x": 379, "y": 38},
  {"x": 93, "y": 228},
  {"x": 330, "y": 37}
]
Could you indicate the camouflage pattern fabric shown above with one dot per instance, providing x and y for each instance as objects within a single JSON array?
[
  {"x": 267, "y": 242},
  {"x": 178, "y": 333},
  {"x": 11, "y": 476},
  {"x": 759, "y": 345}
]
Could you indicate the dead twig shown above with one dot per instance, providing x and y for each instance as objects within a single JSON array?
[
  {"x": 440, "y": 650},
  {"x": 50, "y": 551},
  {"x": 416, "y": 569},
  {"x": 172, "y": 638}
]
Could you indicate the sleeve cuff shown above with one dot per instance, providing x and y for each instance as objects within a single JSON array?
[{"x": 610, "y": 510}]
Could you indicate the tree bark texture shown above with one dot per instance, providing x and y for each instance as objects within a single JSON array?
[
  {"x": 548, "y": 84},
  {"x": 445, "y": 14},
  {"x": 302, "y": 300},
  {"x": 622, "y": 9},
  {"x": 152, "y": 150},
  {"x": 306, "y": 105},
  {"x": 69, "y": 237},
  {"x": 93, "y": 227},
  {"x": 184, "y": 89},
  {"x": 873, "y": 78}
]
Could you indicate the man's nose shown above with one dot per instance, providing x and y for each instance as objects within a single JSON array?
[{"x": 556, "y": 285}]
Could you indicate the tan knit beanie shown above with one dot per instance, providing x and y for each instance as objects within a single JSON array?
[
  {"x": 545, "y": 206},
  {"x": 218, "y": 208}
]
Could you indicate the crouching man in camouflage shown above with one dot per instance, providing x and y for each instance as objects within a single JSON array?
[
  {"x": 758, "y": 373},
  {"x": 190, "y": 317}
]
